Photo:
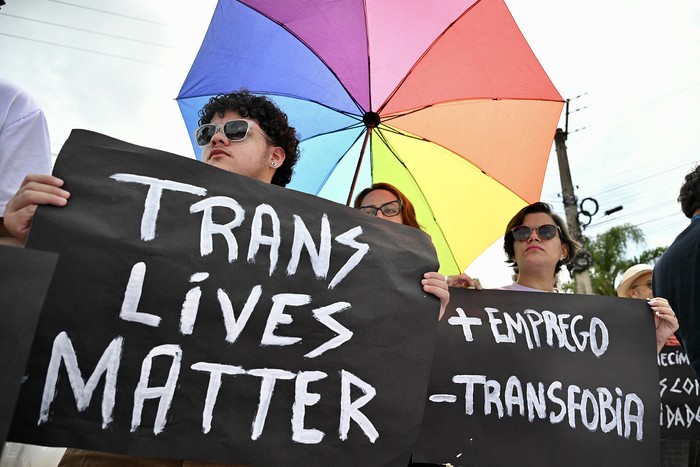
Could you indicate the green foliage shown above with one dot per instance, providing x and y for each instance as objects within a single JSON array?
[{"x": 609, "y": 251}]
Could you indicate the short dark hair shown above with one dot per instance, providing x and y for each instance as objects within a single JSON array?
[
  {"x": 566, "y": 239},
  {"x": 689, "y": 196},
  {"x": 271, "y": 119},
  {"x": 407, "y": 211}
]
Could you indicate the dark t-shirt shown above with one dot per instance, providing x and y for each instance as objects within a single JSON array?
[{"x": 677, "y": 279}]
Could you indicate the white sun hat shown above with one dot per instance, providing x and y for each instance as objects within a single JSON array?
[{"x": 630, "y": 276}]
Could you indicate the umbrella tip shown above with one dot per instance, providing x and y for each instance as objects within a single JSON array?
[{"x": 371, "y": 119}]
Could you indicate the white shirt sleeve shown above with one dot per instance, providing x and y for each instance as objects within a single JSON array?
[{"x": 24, "y": 140}]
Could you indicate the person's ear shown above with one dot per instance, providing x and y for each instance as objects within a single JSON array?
[
  {"x": 277, "y": 157},
  {"x": 564, "y": 252}
]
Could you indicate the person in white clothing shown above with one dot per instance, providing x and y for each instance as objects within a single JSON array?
[{"x": 24, "y": 145}]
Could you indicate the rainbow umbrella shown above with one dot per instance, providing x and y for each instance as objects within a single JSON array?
[{"x": 444, "y": 100}]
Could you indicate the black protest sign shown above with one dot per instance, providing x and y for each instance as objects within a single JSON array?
[
  {"x": 534, "y": 379},
  {"x": 680, "y": 394},
  {"x": 25, "y": 276},
  {"x": 197, "y": 314}
]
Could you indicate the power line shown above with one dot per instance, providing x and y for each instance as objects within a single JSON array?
[
  {"x": 663, "y": 224},
  {"x": 651, "y": 99},
  {"x": 604, "y": 185},
  {"x": 87, "y": 31},
  {"x": 676, "y": 226},
  {"x": 135, "y": 18},
  {"x": 635, "y": 192},
  {"x": 82, "y": 50},
  {"x": 637, "y": 180},
  {"x": 645, "y": 209},
  {"x": 641, "y": 217}
]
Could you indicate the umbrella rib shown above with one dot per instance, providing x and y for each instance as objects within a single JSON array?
[
  {"x": 323, "y": 183},
  {"x": 306, "y": 99},
  {"x": 357, "y": 168},
  {"x": 386, "y": 118},
  {"x": 425, "y": 52},
  {"x": 369, "y": 61},
  {"x": 470, "y": 100},
  {"x": 420, "y": 191},
  {"x": 330, "y": 70},
  {"x": 398, "y": 131},
  {"x": 290, "y": 96},
  {"x": 338, "y": 130}
]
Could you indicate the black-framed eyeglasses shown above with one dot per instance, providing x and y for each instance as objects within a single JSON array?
[
  {"x": 647, "y": 283},
  {"x": 390, "y": 209},
  {"x": 233, "y": 130},
  {"x": 545, "y": 232}
]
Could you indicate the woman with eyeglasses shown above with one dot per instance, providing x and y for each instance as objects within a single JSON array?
[
  {"x": 537, "y": 244},
  {"x": 387, "y": 202}
]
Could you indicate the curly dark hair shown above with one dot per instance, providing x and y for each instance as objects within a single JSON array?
[
  {"x": 689, "y": 196},
  {"x": 509, "y": 240},
  {"x": 271, "y": 119}
]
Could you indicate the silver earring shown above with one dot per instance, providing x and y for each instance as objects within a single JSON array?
[{"x": 274, "y": 164}]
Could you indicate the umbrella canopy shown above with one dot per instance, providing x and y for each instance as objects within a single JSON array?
[{"x": 445, "y": 101}]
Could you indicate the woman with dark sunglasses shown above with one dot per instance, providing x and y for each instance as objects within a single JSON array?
[
  {"x": 537, "y": 244},
  {"x": 387, "y": 202}
]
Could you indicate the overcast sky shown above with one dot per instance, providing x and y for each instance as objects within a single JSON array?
[{"x": 116, "y": 67}]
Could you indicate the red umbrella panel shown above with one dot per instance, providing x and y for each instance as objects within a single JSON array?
[{"x": 446, "y": 101}]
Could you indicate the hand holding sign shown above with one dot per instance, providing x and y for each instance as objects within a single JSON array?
[{"x": 36, "y": 190}]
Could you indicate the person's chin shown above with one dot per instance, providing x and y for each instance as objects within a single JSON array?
[{"x": 220, "y": 162}]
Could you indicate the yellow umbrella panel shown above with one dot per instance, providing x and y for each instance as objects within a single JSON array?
[{"x": 460, "y": 207}]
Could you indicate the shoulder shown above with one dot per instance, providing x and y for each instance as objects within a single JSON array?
[
  {"x": 16, "y": 103},
  {"x": 683, "y": 245}
]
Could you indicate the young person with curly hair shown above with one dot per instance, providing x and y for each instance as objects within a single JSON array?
[{"x": 228, "y": 117}]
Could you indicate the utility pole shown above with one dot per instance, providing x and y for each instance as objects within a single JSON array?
[{"x": 582, "y": 261}]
